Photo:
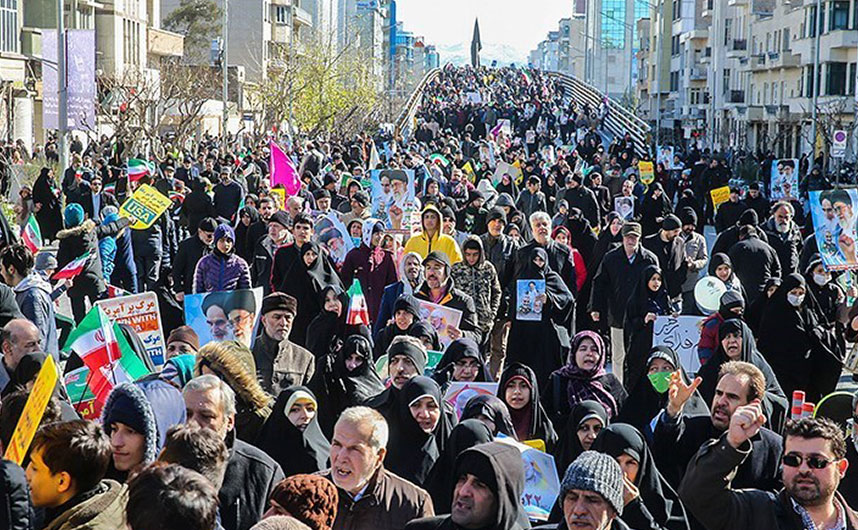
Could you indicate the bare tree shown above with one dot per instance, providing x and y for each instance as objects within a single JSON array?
[
  {"x": 327, "y": 91},
  {"x": 140, "y": 108}
]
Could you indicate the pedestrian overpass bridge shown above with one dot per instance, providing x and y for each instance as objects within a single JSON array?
[{"x": 619, "y": 121}]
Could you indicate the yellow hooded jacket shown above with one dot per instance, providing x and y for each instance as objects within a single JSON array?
[{"x": 423, "y": 245}]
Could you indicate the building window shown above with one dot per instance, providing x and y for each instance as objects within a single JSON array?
[
  {"x": 835, "y": 79},
  {"x": 281, "y": 14},
  {"x": 838, "y": 13},
  {"x": 9, "y": 41}
]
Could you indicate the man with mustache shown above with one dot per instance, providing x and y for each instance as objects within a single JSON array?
[
  {"x": 814, "y": 463},
  {"x": 438, "y": 288},
  {"x": 677, "y": 438}
]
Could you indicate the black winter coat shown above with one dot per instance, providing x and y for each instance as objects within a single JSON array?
[
  {"x": 191, "y": 250},
  {"x": 250, "y": 477},
  {"x": 754, "y": 261},
  {"x": 74, "y": 243},
  {"x": 614, "y": 282}
]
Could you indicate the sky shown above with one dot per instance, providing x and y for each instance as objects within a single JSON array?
[{"x": 516, "y": 23}]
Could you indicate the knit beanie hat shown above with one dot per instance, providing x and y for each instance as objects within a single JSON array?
[
  {"x": 311, "y": 499},
  {"x": 280, "y": 217},
  {"x": 671, "y": 222},
  {"x": 407, "y": 302},
  {"x": 496, "y": 213},
  {"x": 223, "y": 230},
  {"x": 688, "y": 216},
  {"x": 749, "y": 217},
  {"x": 185, "y": 334},
  {"x": 279, "y": 522},
  {"x": 596, "y": 472},
  {"x": 411, "y": 349},
  {"x": 73, "y": 215}
]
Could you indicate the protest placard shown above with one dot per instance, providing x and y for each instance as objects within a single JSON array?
[
  {"x": 505, "y": 168},
  {"x": 441, "y": 318},
  {"x": 224, "y": 315},
  {"x": 460, "y": 392},
  {"x": 682, "y": 334},
  {"x": 541, "y": 481},
  {"x": 393, "y": 198},
  {"x": 531, "y": 298},
  {"x": 34, "y": 409},
  {"x": 80, "y": 395},
  {"x": 146, "y": 205},
  {"x": 141, "y": 312},
  {"x": 784, "y": 179},
  {"x": 647, "y": 171},
  {"x": 625, "y": 207},
  {"x": 834, "y": 227},
  {"x": 665, "y": 156},
  {"x": 331, "y": 234},
  {"x": 720, "y": 196}
]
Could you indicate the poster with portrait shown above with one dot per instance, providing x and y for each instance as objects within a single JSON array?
[
  {"x": 441, "y": 318},
  {"x": 834, "y": 227},
  {"x": 460, "y": 392},
  {"x": 541, "y": 481},
  {"x": 331, "y": 234},
  {"x": 141, "y": 312},
  {"x": 625, "y": 207},
  {"x": 224, "y": 315},
  {"x": 664, "y": 156},
  {"x": 784, "y": 179},
  {"x": 393, "y": 198},
  {"x": 530, "y": 299}
]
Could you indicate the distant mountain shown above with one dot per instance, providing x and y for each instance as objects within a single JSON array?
[{"x": 460, "y": 54}]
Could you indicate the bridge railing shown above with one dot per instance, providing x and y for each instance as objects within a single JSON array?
[
  {"x": 404, "y": 124},
  {"x": 620, "y": 120}
]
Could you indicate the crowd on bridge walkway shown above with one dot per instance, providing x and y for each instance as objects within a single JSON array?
[{"x": 501, "y": 246}]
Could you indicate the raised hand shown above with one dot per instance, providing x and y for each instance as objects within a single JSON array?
[
  {"x": 630, "y": 491},
  {"x": 678, "y": 393},
  {"x": 745, "y": 423}
]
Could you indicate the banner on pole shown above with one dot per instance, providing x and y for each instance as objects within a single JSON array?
[{"x": 34, "y": 409}]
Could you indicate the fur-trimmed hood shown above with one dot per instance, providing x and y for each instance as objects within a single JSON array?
[
  {"x": 142, "y": 408},
  {"x": 83, "y": 228},
  {"x": 238, "y": 371}
]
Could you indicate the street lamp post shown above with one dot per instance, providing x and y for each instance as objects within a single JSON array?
[
  {"x": 815, "y": 83},
  {"x": 62, "y": 90},
  {"x": 223, "y": 64}
]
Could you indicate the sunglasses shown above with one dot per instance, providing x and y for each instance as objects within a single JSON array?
[{"x": 813, "y": 461}]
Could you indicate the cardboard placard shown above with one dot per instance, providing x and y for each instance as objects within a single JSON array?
[
  {"x": 146, "y": 205},
  {"x": 682, "y": 334},
  {"x": 141, "y": 312},
  {"x": 34, "y": 409}
]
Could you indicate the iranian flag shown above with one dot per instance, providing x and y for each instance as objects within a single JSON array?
[
  {"x": 105, "y": 351},
  {"x": 110, "y": 188},
  {"x": 138, "y": 169},
  {"x": 73, "y": 268},
  {"x": 31, "y": 235},
  {"x": 115, "y": 292},
  {"x": 358, "y": 310}
]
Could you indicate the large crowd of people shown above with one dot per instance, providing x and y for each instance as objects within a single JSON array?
[{"x": 556, "y": 255}]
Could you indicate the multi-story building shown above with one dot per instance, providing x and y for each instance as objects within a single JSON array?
[
  {"x": 563, "y": 49},
  {"x": 361, "y": 25},
  {"x": 16, "y": 101},
  {"x": 612, "y": 44}
]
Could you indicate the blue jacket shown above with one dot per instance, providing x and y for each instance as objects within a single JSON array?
[
  {"x": 216, "y": 272},
  {"x": 33, "y": 296}
]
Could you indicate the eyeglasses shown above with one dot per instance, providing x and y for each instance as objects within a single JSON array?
[{"x": 813, "y": 461}]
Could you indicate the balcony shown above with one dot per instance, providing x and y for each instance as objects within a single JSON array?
[
  {"x": 758, "y": 62},
  {"x": 734, "y": 3},
  {"x": 777, "y": 110},
  {"x": 736, "y": 96},
  {"x": 784, "y": 59},
  {"x": 165, "y": 43},
  {"x": 697, "y": 74},
  {"x": 303, "y": 17},
  {"x": 737, "y": 48},
  {"x": 754, "y": 113},
  {"x": 700, "y": 33},
  {"x": 839, "y": 39},
  {"x": 706, "y": 56}
]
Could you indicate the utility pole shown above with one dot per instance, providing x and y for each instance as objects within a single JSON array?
[
  {"x": 293, "y": 70},
  {"x": 658, "y": 52},
  {"x": 224, "y": 63},
  {"x": 62, "y": 89},
  {"x": 815, "y": 84}
]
